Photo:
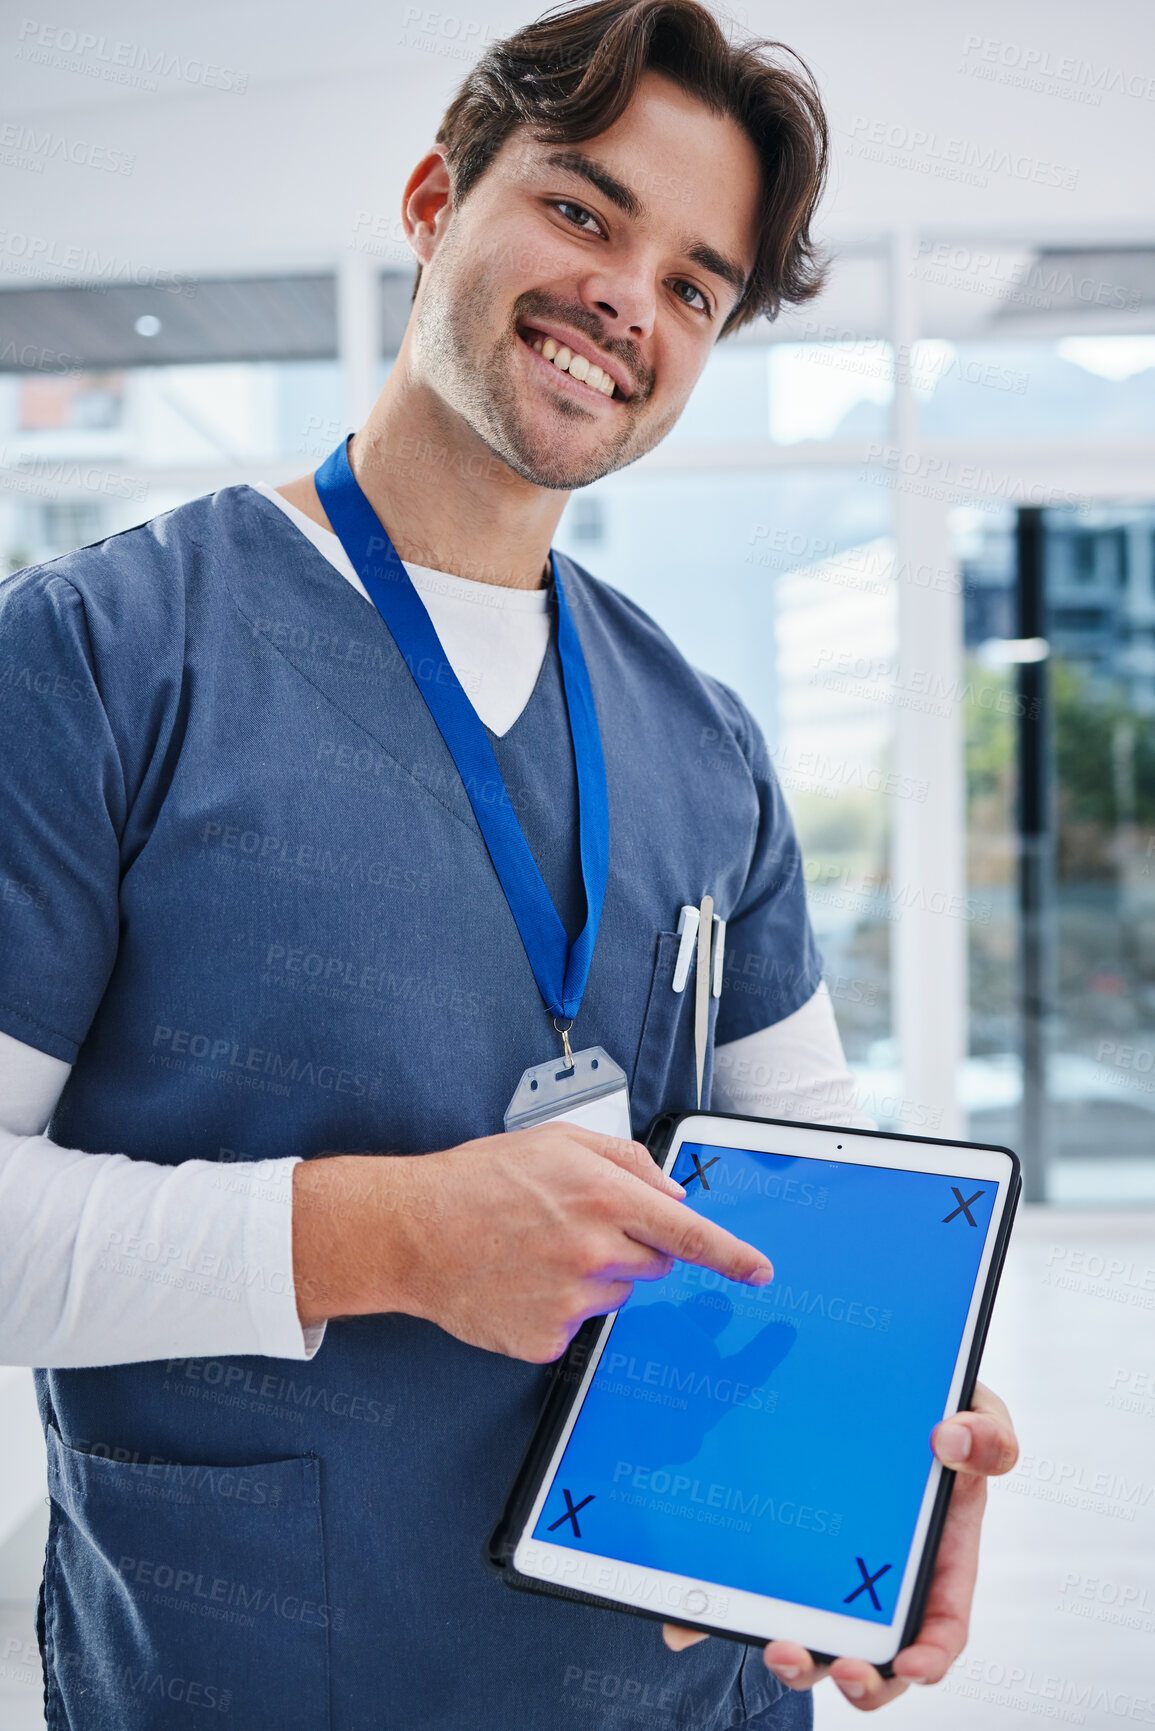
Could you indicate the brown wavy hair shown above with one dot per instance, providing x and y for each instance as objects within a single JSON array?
[{"x": 570, "y": 75}]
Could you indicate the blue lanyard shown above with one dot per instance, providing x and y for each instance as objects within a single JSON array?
[{"x": 559, "y": 968}]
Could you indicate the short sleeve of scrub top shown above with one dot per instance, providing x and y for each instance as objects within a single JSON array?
[
  {"x": 62, "y": 815},
  {"x": 772, "y": 962}
]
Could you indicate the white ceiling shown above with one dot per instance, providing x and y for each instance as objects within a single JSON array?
[{"x": 340, "y": 100}]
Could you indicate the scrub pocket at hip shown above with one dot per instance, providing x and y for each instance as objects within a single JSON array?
[{"x": 173, "y": 1586}]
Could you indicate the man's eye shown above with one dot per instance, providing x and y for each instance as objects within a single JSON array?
[
  {"x": 576, "y": 213},
  {"x": 703, "y": 304}
]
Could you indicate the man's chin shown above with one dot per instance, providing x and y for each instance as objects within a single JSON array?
[
  {"x": 558, "y": 478},
  {"x": 562, "y": 471},
  {"x": 560, "y": 446}
]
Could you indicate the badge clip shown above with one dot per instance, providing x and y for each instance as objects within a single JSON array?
[
  {"x": 590, "y": 1090},
  {"x": 566, "y": 1048}
]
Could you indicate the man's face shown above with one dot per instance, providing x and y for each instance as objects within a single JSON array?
[{"x": 628, "y": 251}]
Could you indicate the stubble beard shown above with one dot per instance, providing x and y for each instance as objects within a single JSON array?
[{"x": 478, "y": 385}]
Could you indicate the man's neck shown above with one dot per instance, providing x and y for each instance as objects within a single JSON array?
[{"x": 446, "y": 500}]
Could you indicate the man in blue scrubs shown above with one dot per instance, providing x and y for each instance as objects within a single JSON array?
[{"x": 233, "y": 1532}]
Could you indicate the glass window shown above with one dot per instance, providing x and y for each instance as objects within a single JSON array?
[
  {"x": 789, "y": 393},
  {"x": 840, "y": 390},
  {"x": 87, "y": 400},
  {"x": 1101, "y": 1062},
  {"x": 991, "y": 1086},
  {"x": 781, "y": 585},
  {"x": 201, "y": 413},
  {"x": 1077, "y": 387},
  {"x": 235, "y": 412},
  {"x": 1099, "y": 909},
  {"x": 95, "y": 450},
  {"x": 729, "y": 402}
]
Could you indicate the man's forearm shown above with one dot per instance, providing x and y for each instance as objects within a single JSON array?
[{"x": 356, "y": 1224}]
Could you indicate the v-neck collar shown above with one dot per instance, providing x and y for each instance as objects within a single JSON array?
[{"x": 338, "y": 643}]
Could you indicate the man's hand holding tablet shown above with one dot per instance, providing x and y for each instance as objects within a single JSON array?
[{"x": 976, "y": 1445}]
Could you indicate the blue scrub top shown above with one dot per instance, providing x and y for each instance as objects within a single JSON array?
[{"x": 255, "y": 913}]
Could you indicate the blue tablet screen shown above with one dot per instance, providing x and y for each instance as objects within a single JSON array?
[{"x": 777, "y": 1440}]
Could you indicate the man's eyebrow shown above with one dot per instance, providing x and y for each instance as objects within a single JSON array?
[
  {"x": 712, "y": 260},
  {"x": 576, "y": 162}
]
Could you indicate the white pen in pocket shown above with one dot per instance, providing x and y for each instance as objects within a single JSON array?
[
  {"x": 702, "y": 935},
  {"x": 719, "y": 953},
  {"x": 688, "y": 921}
]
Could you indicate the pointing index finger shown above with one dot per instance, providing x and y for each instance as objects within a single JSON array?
[
  {"x": 675, "y": 1230},
  {"x": 661, "y": 1222}
]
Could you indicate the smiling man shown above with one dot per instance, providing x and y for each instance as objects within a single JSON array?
[{"x": 326, "y": 799}]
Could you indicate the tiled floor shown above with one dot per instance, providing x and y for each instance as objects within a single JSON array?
[{"x": 1064, "y": 1622}]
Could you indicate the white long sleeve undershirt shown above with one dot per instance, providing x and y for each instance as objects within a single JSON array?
[{"x": 110, "y": 1260}]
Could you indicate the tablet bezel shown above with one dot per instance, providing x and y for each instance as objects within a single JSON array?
[{"x": 734, "y": 1612}]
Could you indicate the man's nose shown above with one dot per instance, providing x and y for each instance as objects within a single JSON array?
[{"x": 625, "y": 300}]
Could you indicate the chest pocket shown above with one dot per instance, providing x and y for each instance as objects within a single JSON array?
[{"x": 664, "y": 1078}]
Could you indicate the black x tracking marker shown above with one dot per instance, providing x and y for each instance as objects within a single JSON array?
[
  {"x": 868, "y": 1580},
  {"x": 699, "y": 1171},
  {"x": 571, "y": 1513},
  {"x": 963, "y": 1207}
]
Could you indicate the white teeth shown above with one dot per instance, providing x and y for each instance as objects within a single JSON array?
[{"x": 577, "y": 366}]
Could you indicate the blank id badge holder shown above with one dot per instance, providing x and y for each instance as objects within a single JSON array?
[{"x": 585, "y": 1088}]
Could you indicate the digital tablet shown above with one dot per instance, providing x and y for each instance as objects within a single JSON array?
[{"x": 756, "y": 1462}]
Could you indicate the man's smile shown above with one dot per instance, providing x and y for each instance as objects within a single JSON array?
[{"x": 574, "y": 358}]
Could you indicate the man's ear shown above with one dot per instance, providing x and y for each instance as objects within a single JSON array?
[{"x": 427, "y": 204}]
